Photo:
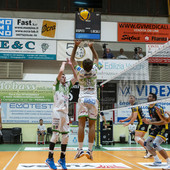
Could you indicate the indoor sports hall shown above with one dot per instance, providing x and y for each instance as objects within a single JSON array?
[{"x": 84, "y": 84}]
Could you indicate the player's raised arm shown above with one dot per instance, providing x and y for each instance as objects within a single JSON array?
[
  {"x": 74, "y": 79},
  {"x": 61, "y": 70},
  {"x": 72, "y": 59},
  {"x": 124, "y": 120},
  {"x": 95, "y": 55}
]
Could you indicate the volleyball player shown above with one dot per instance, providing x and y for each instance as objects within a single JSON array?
[
  {"x": 60, "y": 120},
  {"x": 87, "y": 103},
  {"x": 158, "y": 132},
  {"x": 141, "y": 128}
]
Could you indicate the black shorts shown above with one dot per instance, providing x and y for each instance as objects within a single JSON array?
[
  {"x": 159, "y": 131},
  {"x": 142, "y": 127}
]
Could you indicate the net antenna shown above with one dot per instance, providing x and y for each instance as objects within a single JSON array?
[{"x": 161, "y": 51}]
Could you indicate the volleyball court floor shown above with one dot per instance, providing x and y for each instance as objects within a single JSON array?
[{"x": 118, "y": 156}]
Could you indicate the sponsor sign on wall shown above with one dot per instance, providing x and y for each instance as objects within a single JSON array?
[
  {"x": 143, "y": 32},
  {"x": 27, "y": 49},
  {"x": 163, "y": 57},
  {"x": 64, "y": 50},
  {"x": 141, "y": 92},
  {"x": 112, "y": 68},
  {"x": 26, "y": 112}
]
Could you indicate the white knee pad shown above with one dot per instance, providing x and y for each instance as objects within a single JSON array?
[
  {"x": 54, "y": 137},
  {"x": 157, "y": 142},
  {"x": 65, "y": 138},
  {"x": 137, "y": 138}
]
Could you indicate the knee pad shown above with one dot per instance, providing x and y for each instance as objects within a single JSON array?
[
  {"x": 65, "y": 138},
  {"x": 157, "y": 142},
  {"x": 54, "y": 137},
  {"x": 137, "y": 138},
  {"x": 145, "y": 143},
  {"x": 148, "y": 142}
]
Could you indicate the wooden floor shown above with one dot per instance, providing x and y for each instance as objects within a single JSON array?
[{"x": 103, "y": 159}]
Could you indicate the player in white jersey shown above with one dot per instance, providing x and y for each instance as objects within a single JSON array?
[
  {"x": 60, "y": 120},
  {"x": 88, "y": 103}
]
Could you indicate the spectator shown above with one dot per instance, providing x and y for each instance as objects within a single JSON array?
[
  {"x": 107, "y": 54},
  {"x": 132, "y": 128},
  {"x": 41, "y": 131},
  {"x": 121, "y": 56},
  {"x": 138, "y": 53}
]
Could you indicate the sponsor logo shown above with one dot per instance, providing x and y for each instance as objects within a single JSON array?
[
  {"x": 146, "y": 38},
  {"x": 6, "y": 27},
  {"x": 130, "y": 38},
  {"x": 44, "y": 47},
  {"x": 48, "y": 29},
  {"x": 76, "y": 166},
  {"x": 159, "y": 38}
]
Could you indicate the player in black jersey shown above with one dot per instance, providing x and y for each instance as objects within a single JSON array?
[
  {"x": 158, "y": 132},
  {"x": 138, "y": 114}
]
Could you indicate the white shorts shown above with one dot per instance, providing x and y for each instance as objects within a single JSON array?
[
  {"x": 88, "y": 107},
  {"x": 60, "y": 122}
]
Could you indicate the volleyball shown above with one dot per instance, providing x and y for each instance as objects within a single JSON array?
[{"x": 84, "y": 15}]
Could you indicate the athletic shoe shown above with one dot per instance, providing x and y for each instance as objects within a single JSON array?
[
  {"x": 50, "y": 163},
  {"x": 148, "y": 155},
  {"x": 168, "y": 167},
  {"x": 89, "y": 154},
  {"x": 79, "y": 154},
  {"x": 157, "y": 163},
  {"x": 62, "y": 163}
]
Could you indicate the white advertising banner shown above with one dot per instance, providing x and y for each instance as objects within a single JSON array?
[
  {"x": 26, "y": 112},
  {"x": 27, "y": 49},
  {"x": 49, "y": 29},
  {"x": 64, "y": 50},
  {"x": 150, "y": 48},
  {"x": 113, "y": 67},
  {"x": 141, "y": 93}
]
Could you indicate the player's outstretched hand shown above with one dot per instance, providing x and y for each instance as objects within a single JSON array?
[
  {"x": 77, "y": 42},
  {"x": 121, "y": 121},
  {"x": 69, "y": 62},
  {"x": 90, "y": 44}
]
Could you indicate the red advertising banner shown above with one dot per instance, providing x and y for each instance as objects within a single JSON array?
[{"x": 143, "y": 32}]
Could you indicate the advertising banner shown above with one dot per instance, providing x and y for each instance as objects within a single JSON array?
[
  {"x": 113, "y": 67},
  {"x": 20, "y": 91},
  {"x": 27, "y": 49},
  {"x": 141, "y": 92},
  {"x": 161, "y": 57},
  {"x": 26, "y": 112},
  {"x": 143, "y": 32},
  {"x": 64, "y": 50}
]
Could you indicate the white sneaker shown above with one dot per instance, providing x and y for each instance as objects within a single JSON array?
[
  {"x": 89, "y": 154},
  {"x": 166, "y": 168},
  {"x": 157, "y": 163},
  {"x": 80, "y": 153},
  {"x": 148, "y": 155}
]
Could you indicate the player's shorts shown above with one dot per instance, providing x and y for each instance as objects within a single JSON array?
[
  {"x": 60, "y": 122},
  {"x": 88, "y": 107},
  {"x": 154, "y": 130},
  {"x": 163, "y": 133},
  {"x": 142, "y": 127}
]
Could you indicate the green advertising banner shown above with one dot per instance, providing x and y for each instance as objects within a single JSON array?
[{"x": 22, "y": 91}]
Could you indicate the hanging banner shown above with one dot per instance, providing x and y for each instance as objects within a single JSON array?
[
  {"x": 161, "y": 58},
  {"x": 28, "y": 49},
  {"x": 113, "y": 67},
  {"x": 143, "y": 32},
  {"x": 64, "y": 50}
]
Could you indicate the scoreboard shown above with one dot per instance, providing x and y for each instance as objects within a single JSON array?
[{"x": 90, "y": 29}]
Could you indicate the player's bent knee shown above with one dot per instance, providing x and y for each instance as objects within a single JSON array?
[
  {"x": 54, "y": 137},
  {"x": 137, "y": 139},
  {"x": 157, "y": 147},
  {"x": 65, "y": 138}
]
